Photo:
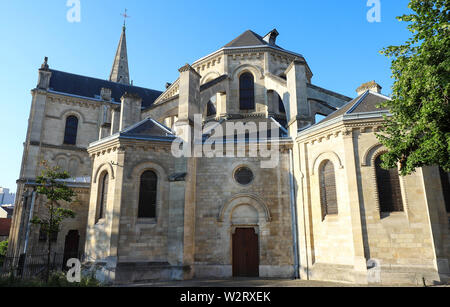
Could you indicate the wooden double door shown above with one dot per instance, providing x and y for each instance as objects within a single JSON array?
[{"x": 245, "y": 253}]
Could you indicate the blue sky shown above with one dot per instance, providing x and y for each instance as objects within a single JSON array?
[{"x": 340, "y": 45}]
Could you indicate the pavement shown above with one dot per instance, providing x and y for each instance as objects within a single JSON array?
[{"x": 245, "y": 283}]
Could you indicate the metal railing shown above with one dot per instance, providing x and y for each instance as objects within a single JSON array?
[{"x": 34, "y": 266}]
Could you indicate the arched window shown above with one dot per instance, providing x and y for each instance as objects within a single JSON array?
[
  {"x": 147, "y": 195},
  {"x": 389, "y": 192},
  {"x": 445, "y": 182},
  {"x": 246, "y": 91},
  {"x": 328, "y": 196},
  {"x": 70, "y": 134},
  {"x": 103, "y": 195}
]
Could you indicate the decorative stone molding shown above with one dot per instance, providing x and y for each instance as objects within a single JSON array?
[
  {"x": 368, "y": 155},
  {"x": 67, "y": 156},
  {"x": 171, "y": 91},
  {"x": 258, "y": 71},
  {"x": 104, "y": 166},
  {"x": 138, "y": 168},
  {"x": 84, "y": 102},
  {"x": 244, "y": 199},
  {"x": 208, "y": 63},
  {"x": 330, "y": 155}
]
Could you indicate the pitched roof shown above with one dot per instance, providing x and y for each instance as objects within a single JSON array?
[
  {"x": 148, "y": 129},
  {"x": 248, "y": 38},
  {"x": 364, "y": 103},
  {"x": 72, "y": 84},
  {"x": 5, "y": 226}
]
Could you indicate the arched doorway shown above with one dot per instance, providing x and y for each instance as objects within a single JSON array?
[
  {"x": 243, "y": 222},
  {"x": 71, "y": 246}
]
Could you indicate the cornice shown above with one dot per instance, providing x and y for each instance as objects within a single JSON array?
[
  {"x": 78, "y": 100},
  {"x": 340, "y": 129}
]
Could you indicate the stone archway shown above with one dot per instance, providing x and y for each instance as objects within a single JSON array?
[{"x": 243, "y": 219}]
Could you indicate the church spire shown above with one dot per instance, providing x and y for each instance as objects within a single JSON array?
[{"x": 119, "y": 71}]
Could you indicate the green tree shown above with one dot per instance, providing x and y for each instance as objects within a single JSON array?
[
  {"x": 51, "y": 185},
  {"x": 418, "y": 132},
  {"x": 3, "y": 248}
]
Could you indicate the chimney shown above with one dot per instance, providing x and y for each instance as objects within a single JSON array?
[
  {"x": 271, "y": 37},
  {"x": 369, "y": 86},
  {"x": 105, "y": 94}
]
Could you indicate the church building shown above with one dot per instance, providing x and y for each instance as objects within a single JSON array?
[{"x": 325, "y": 211}]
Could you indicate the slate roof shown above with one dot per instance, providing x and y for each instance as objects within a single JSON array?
[
  {"x": 90, "y": 87},
  {"x": 148, "y": 129},
  {"x": 366, "y": 102},
  {"x": 248, "y": 38},
  {"x": 5, "y": 226}
]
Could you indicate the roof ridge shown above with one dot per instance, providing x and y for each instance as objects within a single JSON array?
[
  {"x": 103, "y": 80},
  {"x": 240, "y": 37}
]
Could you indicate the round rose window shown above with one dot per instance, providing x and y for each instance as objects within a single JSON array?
[{"x": 243, "y": 176}]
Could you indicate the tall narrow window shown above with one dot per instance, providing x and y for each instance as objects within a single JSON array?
[
  {"x": 328, "y": 196},
  {"x": 103, "y": 195},
  {"x": 246, "y": 92},
  {"x": 70, "y": 134},
  {"x": 445, "y": 182},
  {"x": 389, "y": 192},
  {"x": 147, "y": 195}
]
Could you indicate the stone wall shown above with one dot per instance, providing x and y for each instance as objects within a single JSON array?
[{"x": 218, "y": 196}]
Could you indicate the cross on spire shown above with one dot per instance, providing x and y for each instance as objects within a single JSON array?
[{"x": 125, "y": 16}]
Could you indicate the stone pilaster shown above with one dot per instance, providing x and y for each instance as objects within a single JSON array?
[
  {"x": 130, "y": 112},
  {"x": 115, "y": 120},
  {"x": 299, "y": 108},
  {"x": 182, "y": 200},
  {"x": 360, "y": 261}
]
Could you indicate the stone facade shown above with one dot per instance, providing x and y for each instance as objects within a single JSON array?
[{"x": 200, "y": 207}]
